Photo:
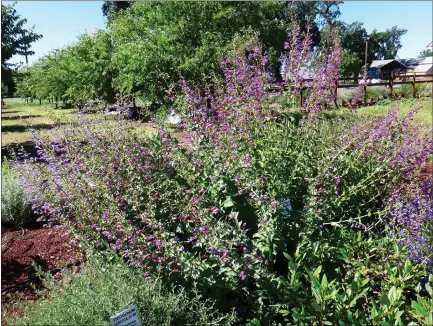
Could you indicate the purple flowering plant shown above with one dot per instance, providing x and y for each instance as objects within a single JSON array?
[{"x": 211, "y": 209}]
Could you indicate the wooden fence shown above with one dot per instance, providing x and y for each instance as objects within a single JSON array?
[{"x": 390, "y": 82}]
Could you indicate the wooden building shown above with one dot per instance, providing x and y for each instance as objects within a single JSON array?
[{"x": 383, "y": 68}]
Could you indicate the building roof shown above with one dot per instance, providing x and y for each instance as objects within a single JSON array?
[
  {"x": 411, "y": 62},
  {"x": 383, "y": 63},
  {"x": 418, "y": 65},
  {"x": 304, "y": 72}
]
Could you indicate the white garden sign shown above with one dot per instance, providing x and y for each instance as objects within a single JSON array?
[{"x": 127, "y": 317}]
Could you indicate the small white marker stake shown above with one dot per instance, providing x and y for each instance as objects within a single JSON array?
[{"x": 127, "y": 317}]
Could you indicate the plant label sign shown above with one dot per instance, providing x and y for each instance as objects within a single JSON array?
[{"x": 127, "y": 317}]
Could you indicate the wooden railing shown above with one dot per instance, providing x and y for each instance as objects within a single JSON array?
[{"x": 389, "y": 81}]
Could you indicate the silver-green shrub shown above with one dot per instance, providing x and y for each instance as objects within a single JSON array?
[
  {"x": 103, "y": 289},
  {"x": 15, "y": 209}
]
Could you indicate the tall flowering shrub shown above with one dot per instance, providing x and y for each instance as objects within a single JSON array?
[
  {"x": 247, "y": 207},
  {"x": 394, "y": 150},
  {"x": 413, "y": 218},
  {"x": 298, "y": 60}
]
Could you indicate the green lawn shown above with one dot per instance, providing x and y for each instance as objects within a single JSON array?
[
  {"x": 423, "y": 118},
  {"x": 18, "y": 117}
]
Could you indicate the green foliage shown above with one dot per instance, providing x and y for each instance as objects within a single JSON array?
[
  {"x": 111, "y": 8},
  {"x": 103, "y": 288},
  {"x": 350, "y": 63},
  {"x": 381, "y": 45},
  {"x": 15, "y": 210},
  {"x": 78, "y": 72},
  {"x": 377, "y": 92},
  {"x": 148, "y": 46},
  {"x": 385, "y": 45},
  {"x": 184, "y": 39},
  {"x": 4, "y": 90},
  {"x": 160, "y": 41},
  {"x": 360, "y": 290},
  {"x": 15, "y": 38},
  {"x": 425, "y": 53},
  {"x": 421, "y": 90}
]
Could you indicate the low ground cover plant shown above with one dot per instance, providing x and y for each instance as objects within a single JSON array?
[
  {"x": 103, "y": 287},
  {"x": 15, "y": 210},
  {"x": 290, "y": 218}
]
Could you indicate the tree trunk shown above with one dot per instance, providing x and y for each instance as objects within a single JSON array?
[{"x": 40, "y": 101}]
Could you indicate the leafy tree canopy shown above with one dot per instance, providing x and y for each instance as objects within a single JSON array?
[
  {"x": 425, "y": 53},
  {"x": 157, "y": 42},
  {"x": 385, "y": 45},
  {"x": 381, "y": 45},
  {"x": 110, "y": 8},
  {"x": 80, "y": 71},
  {"x": 15, "y": 38}
]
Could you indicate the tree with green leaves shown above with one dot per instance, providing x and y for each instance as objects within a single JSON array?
[
  {"x": 79, "y": 72},
  {"x": 381, "y": 45},
  {"x": 158, "y": 42},
  {"x": 16, "y": 40},
  {"x": 110, "y": 8},
  {"x": 385, "y": 45},
  {"x": 425, "y": 53}
]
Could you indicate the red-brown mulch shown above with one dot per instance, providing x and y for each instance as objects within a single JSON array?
[
  {"x": 427, "y": 171},
  {"x": 49, "y": 248}
]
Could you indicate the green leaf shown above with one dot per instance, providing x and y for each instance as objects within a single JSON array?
[
  {"x": 393, "y": 294},
  {"x": 317, "y": 270},
  {"x": 324, "y": 283},
  {"x": 254, "y": 322},
  {"x": 228, "y": 202},
  {"x": 407, "y": 266},
  {"x": 350, "y": 317},
  {"x": 384, "y": 300},
  {"x": 419, "y": 308}
]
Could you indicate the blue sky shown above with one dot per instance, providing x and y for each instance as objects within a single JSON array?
[{"x": 60, "y": 22}]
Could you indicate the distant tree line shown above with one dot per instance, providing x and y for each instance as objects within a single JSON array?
[
  {"x": 148, "y": 46},
  {"x": 16, "y": 40}
]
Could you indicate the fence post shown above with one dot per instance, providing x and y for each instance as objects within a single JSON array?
[
  {"x": 300, "y": 95},
  {"x": 391, "y": 82},
  {"x": 365, "y": 94},
  {"x": 413, "y": 85},
  {"x": 336, "y": 88},
  {"x": 336, "y": 93}
]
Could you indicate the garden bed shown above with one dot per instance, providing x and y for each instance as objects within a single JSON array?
[{"x": 49, "y": 248}]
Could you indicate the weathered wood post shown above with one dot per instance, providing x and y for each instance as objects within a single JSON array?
[
  {"x": 365, "y": 94},
  {"x": 413, "y": 85},
  {"x": 336, "y": 93},
  {"x": 336, "y": 87},
  {"x": 300, "y": 95},
  {"x": 391, "y": 82}
]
